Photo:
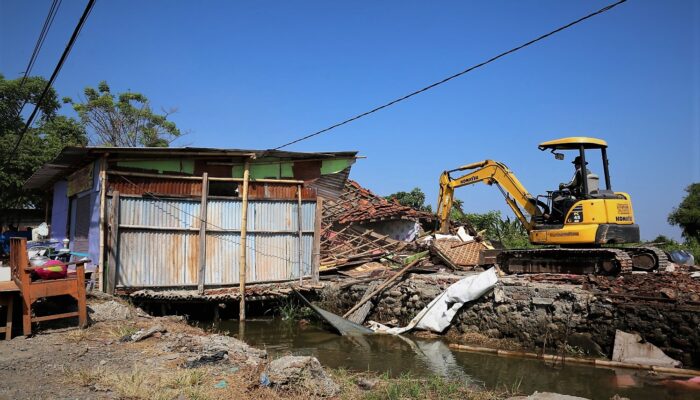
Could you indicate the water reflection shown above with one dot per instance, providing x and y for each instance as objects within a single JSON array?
[{"x": 407, "y": 354}]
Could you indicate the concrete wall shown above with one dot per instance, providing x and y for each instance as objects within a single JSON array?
[{"x": 534, "y": 313}]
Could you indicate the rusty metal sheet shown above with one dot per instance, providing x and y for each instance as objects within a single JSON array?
[
  {"x": 140, "y": 186},
  {"x": 277, "y": 191},
  {"x": 159, "y": 213},
  {"x": 306, "y": 170},
  {"x": 157, "y": 258}
]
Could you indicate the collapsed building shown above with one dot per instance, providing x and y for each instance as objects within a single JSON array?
[{"x": 359, "y": 226}]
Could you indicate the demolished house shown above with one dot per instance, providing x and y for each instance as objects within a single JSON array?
[
  {"x": 359, "y": 226},
  {"x": 159, "y": 218}
]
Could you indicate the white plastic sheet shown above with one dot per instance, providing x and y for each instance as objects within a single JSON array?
[{"x": 438, "y": 315}]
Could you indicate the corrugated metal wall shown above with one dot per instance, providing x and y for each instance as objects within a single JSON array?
[{"x": 159, "y": 241}]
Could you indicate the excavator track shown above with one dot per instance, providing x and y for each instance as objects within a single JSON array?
[
  {"x": 605, "y": 261},
  {"x": 647, "y": 258}
]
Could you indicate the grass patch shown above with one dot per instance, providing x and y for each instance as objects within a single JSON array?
[
  {"x": 292, "y": 310},
  {"x": 409, "y": 387},
  {"x": 140, "y": 383},
  {"x": 119, "y": 331}
]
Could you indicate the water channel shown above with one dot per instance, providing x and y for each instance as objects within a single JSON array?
[{"x": 422, "y": 357}]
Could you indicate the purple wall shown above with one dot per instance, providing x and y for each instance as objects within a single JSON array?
[
  {"x": 60, "y": 201},
  {"x": 59, "y": 211}
]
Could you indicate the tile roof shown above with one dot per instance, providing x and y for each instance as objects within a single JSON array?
[{"x": 357, "y": 204}]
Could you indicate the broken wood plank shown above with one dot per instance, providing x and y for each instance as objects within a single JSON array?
[
  {"x": 381, "y": 287},
  {"x": 359, "y": 315}
]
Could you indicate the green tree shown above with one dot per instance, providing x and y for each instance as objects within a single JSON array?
[
  {"x": 687, "y": 214},
  {"x": 509, "y": 232},
  {"x": 414, "y": 199},
  {"x": 39, "y": 145},
  {"x": 123, "y": 119}
]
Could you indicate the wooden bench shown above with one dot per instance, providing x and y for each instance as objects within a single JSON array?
[{"x": 31, "y": 291}]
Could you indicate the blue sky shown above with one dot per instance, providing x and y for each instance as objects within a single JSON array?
[{"x": 257, "y": 74}]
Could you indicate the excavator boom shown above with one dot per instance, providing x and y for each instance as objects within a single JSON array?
[{"x": 489, "y": 172}]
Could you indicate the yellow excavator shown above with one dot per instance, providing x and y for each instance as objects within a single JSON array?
[{"x": 579, "y": 225}]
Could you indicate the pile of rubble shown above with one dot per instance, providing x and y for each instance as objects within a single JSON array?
[
  {"x": 360, "y": 227},
  {"x": 680, "y": 286}
]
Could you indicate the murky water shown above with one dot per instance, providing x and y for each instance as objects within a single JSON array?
[{"x": 421, "y": 357}]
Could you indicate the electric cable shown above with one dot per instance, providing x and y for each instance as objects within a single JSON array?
[
  {"x": 449, "y": 78},
  {"x": 61, "y": 61},
  {"x": 48, "y": 21}
]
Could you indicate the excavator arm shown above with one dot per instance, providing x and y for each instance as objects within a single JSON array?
[{"x": 489, "y": 172}]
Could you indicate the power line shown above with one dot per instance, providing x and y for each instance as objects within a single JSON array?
[
  {"x": 56, "y": 70},
  {"x": 48, "y": 21},
  {"x": 40, "y": 40},
  {"x": 449, "y": 78}
]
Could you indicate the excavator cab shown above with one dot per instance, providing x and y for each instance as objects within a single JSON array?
[
  {"x": 590, "y": 185},
  {"x": 586, "y": 181}
]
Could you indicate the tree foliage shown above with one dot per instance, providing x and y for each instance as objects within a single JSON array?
[
  {"x": 123, "y": 119},
  {"x": 509, "y": 232},
  {"x": 414, "y": 199},
  {"x": 687, "y": 214},
  {"x": 40, "y": 144}
]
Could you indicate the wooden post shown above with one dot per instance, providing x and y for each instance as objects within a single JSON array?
[
  {"x": 244, "y": 229},
  {"x": 316, "y": 252},
  {"x": 103, "y": 231},
  {"x": 300, "y": 250},
  {"x": 203, "y": 232},
  {"x": 80, "y": 295},
  {"x": 113, "y": 247},
  {"x": 9, "y": 303}
]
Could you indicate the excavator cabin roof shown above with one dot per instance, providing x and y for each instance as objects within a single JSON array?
[{"x": 573, "y": 143}]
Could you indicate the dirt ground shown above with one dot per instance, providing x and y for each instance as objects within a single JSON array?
[{"x": 179, "y": 362}]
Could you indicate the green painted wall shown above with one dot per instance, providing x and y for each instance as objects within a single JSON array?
[
  {"x": 266, "y": 168},
  {"x": 259, "y": 169}
]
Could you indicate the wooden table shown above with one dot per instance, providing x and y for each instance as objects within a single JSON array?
[{"x": 7, "y": 296}]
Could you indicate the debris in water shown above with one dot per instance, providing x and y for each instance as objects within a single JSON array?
[
  {"x": 631, "y": 348},
  {"x": 342, "y": 325}
]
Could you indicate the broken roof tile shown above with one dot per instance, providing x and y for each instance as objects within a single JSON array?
[{"x": 357, "y": 204}]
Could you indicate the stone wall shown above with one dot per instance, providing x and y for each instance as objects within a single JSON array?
[{"x": 538, "y": 315}]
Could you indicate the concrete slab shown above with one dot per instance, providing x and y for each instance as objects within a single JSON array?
[{"x": 631, "y": 348}]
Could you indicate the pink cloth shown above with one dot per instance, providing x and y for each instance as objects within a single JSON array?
[{"x": 52, "y": 270}]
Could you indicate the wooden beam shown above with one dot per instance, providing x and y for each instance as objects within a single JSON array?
[
  {"x": 114, "y": 243},
  {"x": 103, "y": 231},
  {"x": 197, "y": 178},
  {"x": 300, "y": 249},
  {"x": 316, "y": 252},
  {"x": 244, "y": 227},
  {"x": 381, "y": 287},
  {"x": 203, "y": 233}
]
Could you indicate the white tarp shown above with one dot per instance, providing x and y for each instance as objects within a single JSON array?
[{"x": 438, "y": 315}]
